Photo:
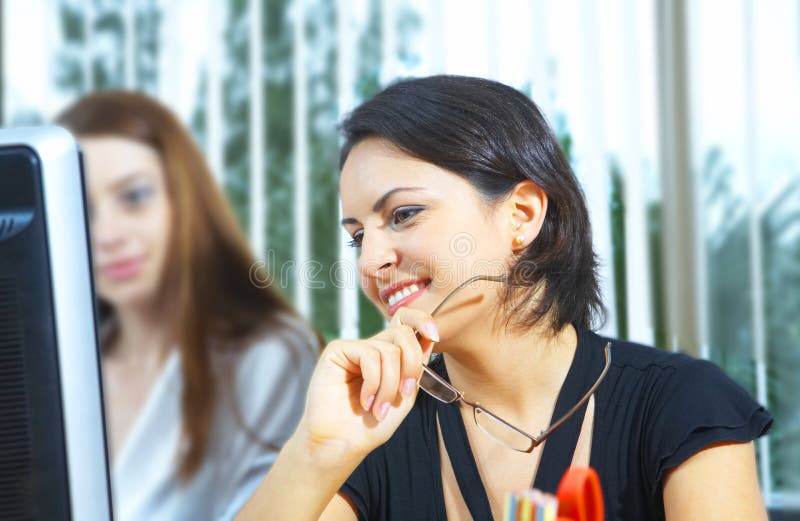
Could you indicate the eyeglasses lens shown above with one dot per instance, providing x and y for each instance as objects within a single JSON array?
[
  {"x": 437, "y": 389},
  {"x": 500, "y": 432}
]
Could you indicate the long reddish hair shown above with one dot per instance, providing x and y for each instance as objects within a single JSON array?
[{"x": 206, "y": 291}]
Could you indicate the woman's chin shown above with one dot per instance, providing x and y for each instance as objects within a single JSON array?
[{"x": 128, "y": 298}]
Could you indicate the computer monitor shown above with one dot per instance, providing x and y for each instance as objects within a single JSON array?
[{"x": 53, "y": 458}]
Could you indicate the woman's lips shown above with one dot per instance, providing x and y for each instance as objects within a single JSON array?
[
  {"x": 408, "y": 299},
  {"x": 123, "y": 270}
]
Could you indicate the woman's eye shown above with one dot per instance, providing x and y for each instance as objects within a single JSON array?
[
  {"x": 404, "y": 213},
  {"x": 356, "y": 241},
  {"x": 135, "y": 197}
]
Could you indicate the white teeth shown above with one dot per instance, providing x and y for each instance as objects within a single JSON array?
[{"x": 402, "y": 293}]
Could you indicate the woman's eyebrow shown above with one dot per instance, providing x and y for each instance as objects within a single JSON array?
[
  {"x": 381, "y": 202},
  {"x": 127, "y": 179}
]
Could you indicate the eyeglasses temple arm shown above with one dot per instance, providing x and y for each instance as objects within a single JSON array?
[
  {"x": 545, "y": 433},
  {"x": 492, "y": 278}
]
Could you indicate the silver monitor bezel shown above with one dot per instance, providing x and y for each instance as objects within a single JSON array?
[{"x": 74, "y": 313}]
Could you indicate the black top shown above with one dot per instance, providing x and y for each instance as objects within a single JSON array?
[{"x": 652, "y": 412}]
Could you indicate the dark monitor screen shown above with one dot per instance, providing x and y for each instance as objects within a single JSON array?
[{"x": 53, "y": 462}]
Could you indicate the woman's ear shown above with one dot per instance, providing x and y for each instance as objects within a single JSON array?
[{"x": 527, "y": 206}]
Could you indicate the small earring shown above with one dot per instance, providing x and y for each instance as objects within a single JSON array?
[{"x": 519, "y": 240}]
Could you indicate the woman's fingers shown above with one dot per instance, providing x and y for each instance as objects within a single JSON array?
[
  {"x": 370, "y": 363},
  {"x": 401, "y": 366},
  {"x": 379, "y": 363},
  {"x": 411, "y": 353},
  {"x": 391, "y": 367},
  {"x": 417, "y": 320},
  {"x": 421, "y": 324},
  {"x": 390, "y": 363}
]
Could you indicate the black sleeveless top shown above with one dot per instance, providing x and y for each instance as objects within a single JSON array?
[{"x": 652, "y": 412}]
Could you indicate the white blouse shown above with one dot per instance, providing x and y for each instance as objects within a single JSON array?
[{"x": 271, "y": 377}]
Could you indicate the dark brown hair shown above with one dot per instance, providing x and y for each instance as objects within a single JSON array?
[
  {"x": 206, "y": 291},
  {"x": 495, "y": 137}
]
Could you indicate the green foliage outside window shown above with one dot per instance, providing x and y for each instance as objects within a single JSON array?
[{"x": 780, "y": 228}]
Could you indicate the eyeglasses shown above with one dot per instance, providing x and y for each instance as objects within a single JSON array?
[{"x": 492, "y": 425}]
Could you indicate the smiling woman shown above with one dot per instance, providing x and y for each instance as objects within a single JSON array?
[
  {"x": 427, "y": 162},
  {"x": 204, "y": 373}
]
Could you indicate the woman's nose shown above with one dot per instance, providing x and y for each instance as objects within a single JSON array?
[
  {"x": 106, "y": 231},
  {"x": 378, "y": 256}
]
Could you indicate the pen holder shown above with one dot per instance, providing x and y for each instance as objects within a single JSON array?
[{"x": 579, "y": 496}]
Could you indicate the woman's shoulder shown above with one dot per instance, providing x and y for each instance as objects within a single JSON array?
[
  {"x": 665, "y": 371},
  {"x": 641, "y": 357},
  {"x": 667, "y": 406},
  {"x": 676, "y": 389},
  {"x": 271, "y": 364},
  {"x": 286, "y": 337},
  {"x": 665, "y": 374}
]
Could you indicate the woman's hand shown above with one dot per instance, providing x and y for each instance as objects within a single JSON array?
[
  {"x": 361, "y": 390},
  {"x": 359, "y": 394}
]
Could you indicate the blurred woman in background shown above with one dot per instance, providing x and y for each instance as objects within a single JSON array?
[{"x": 205, "y": 372}]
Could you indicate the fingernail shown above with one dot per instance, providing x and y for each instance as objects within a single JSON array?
[
  {"x": 431, "y": 331},
  {"x": 408, "y": 386},
  {"x": 384, "y": 410},
  {"x": 368, "y": 405}
]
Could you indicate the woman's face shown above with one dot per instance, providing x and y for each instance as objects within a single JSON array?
[
  {"x": 130, "y": 218},
  {"x": 422, "y": 230}
]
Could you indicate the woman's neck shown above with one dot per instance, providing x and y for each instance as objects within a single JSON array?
[
  {"x": 509, "y": 370},
  {"x": 142, "y": 337}
]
